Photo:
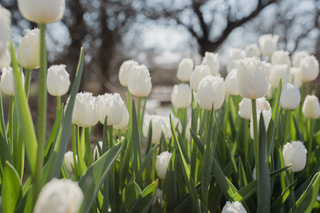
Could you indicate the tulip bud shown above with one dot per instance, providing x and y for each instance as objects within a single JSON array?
[
  {"x": 297, "y": 58},
  {"x": 96, "y": 153},
  {"x": 311, "y": 107},
  {"x": 5, "y": 59},
  {"x": 58, "y": 81},
  {"x": 197, "y": 75},
  {"x": 267, "y": 114},
  {"x": 109, "y": 105},
  {"x": 211, "y": 91},
  {"x": 233, "y": 207},
  {"x": 28, "y": 54},
  {"x": 44, "y": 11},
  {"x": 69, "y": 163},
  {"x": 268, "y": 44},
  {"x": 278, "y": 72},
  {"x": 139, "y": 82},
  {"x": 5, "y": 31},
  {"x": 245, "y": 108},
  {"x": 126, "y": 70},
  {"x": 295, "y": 153},
  {"x": 181, "y": 96},
  {"x": 252, "y": 78},
  {"x": 253, "y": 50},
  {"x": 232, "y": 83},
  {"x": 290, "y": 96},
  {"x": 123, "y": 124},
  {"x": 162, "y": 164},
  {"x": 309, "y": 68},
  {"x": 160, "y": 124},
  {"x": 7, "y": 81},
  {"x": 295, "y": 76},
  {"x": 84, "y": 110},
  {"x": 212, "y": 60},
  {"x": 61, "y": 195},
  {"x": 185, "y": 69},
  {"x": 234, "y": 56},
  {"x": 280, "y": 57}
]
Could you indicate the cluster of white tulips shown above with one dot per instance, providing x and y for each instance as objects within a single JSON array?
[{"x": 246, "y": 142}]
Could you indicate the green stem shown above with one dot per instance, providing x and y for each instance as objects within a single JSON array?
[
  {"x": 255, "y": 134},
  {"x": 75, "y": 151},
  {"x": 110, "y": 131},
  {"x": 311, "y": 124},
  {"x": 293, "y": 199},
  {"x": 287, "y": 126},
  {"x": 58, "y": 105},
  {"x": 27, "y": 82},
  {"x": 10, "y": 122},
  {"x": 139, "y": 115},
  {"x": 88, "y": 146}
]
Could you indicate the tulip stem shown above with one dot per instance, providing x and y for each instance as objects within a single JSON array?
[
  {"x": 10, "y": 123},
  {"x": 110, "y": 131},
  {"x": 58, "y": 105},
  {"x": 255, "y": 134},
  {"x": 88, "y": 145},
  {"x": 42, "y": 110},
  {"x": 287, "y": 126},
  {"x": 27, "y": 82},
  {"x": 311, "y": 124}
]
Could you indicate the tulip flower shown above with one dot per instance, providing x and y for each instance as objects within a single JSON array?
[
  {"x": 58, "y": 81},
  {"x": 234, "y": 56},
  {"x": 212, "y": 60},
  {"x": 232, "y": 83},
  {"x": 280, "y": 57},
  {"x": 268, "y": 44},
  {"x": 5, "y": 16},
  {"x": 69, "y": 163},
  {"x": 245, "y": 108},
  {"x": 297, "y": 58},
  {"x": 28, "y": 54},
  {"x": 123, "y": 124},
  {"x": 252, "y": 78},
  {"x": 42, "y": 11},
  {"x": 181, "y": 96},
  {"x": 197, "y": 75},
  {"x": 309, "y": 68},
  {"x": 290, "y": 96},
  {"x": 278, "y": 72},
  {"x": 295, "y": 76},
  {"x": 253, "y": 50},
  {"x": 63, "y": 196},
  {"x": 295, "y": 153},
  {"x": 139, "y": 82},
  {"x": 5, "y": 59},
  {"x": 7, "y": 81},
  {"x": 211, "y": 91},
  {"x": 162, "y": 164},
  {"x": 267, "y": 114},
  {"x": 160, "y": 124},
  {"x": 233, "y": 207},
  {"x": 185, "y": 69},
  {"x": 311, "y": 107},
  {"x": 125, "y": 70},
  {"x": 84, "y": 110}
]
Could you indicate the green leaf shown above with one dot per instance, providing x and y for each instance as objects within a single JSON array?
[
  {"x": 91, "y": 181},
  {"x": 136, "y": 146},
  {"x": 307, "y": 200},
  {"x": 130, "y": 195},
  {"x": 10, "y": 188},
  {"x": 4, "y": 146}
]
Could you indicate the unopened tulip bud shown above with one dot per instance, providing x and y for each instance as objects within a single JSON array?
[
  {"x": 295, "y": 153},
  {"x": 7, "y": 81},
  {"x": 311, "y": 107},
  {"x": 211, "y": 91},
  {"x": 268, "y": 44},
  {"x": 212, "y": 60},
  {"x": 253, "y": 50},
  {"x": 297, "y": 58},
  {"x": 309, "y": 68},
  {"x": 267, "y": 114},
  {"x": 5, "y": 31},
  {"x": 5, "y": 59},
  {"x": 278, "y": 72},
  {"x": 245, "y": 108},
  {"x": 69, "y": 163},
  {"x": 61, "y": 195},
  {"x": 28, "y": 54},
  {"x": 185, "y": 69},
  {"x": 290, "y": 96},
  {"x": 58, "y": 81},
  {"x": 123, "y": 124},
  {"x": 281, "y": 57},
  {"x": 181, "y": 96},
  {"x": 233, "y": 207},
  {"x": 44, "y": 11},
  {"x": 160, "y": 125},
  {"x": 139, "y": 82},
  {"x": 232, "y": 83},
  {"x": 126, "y": 70},
  {"x": 197, "y": 75},
  {"x": 162, "y": 164},
  {"x": 295, "y": 76},
  {"x": 234, "y": 56}
]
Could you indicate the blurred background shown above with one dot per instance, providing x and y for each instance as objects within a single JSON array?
[{"x": 159, "y": 33}]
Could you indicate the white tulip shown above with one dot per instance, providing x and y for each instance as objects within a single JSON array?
[
  {"x": 297, "y": 57},
  {"x": 309, "y": 68},
  {"x": 211, "y": 91},
  {"x": 212, "y": 60},
  {"x": 5, "y": 59},
  {"x": 7, "y": 81},
  {"x": 263, "y": 104},
  {"x": 42, "y": 11},
  {"x": 233, "y": 207},
  {"x": 181, "y": 96},
  {"x": 139, "y": 82},
  {"x": 5, "y": 31},
  {"x": 295, "y": 76},
  {"x": 234, "y": 56},
  {"x": 245, "y": 108},
  {"x": 252, "y": 78},
  {"x": 125, "y": 119},
  {"x": 290, "y": 96},
  {"x": 278, "y": 72},
  {"x": 295, "y": 153},
  {"x": 280, "y": 57},
  {"x": 59, "y": 196},
  {"x": 58, "y": 81},
  {"x": 311, "y": 107},
  {"x": 232, "y": 83},
  {"x": 267, "y": 114},
  {"x": 125, "y": 71},
  {"x": 69, "y": 163},
  {"x": 253, "y": 50},
  {"x": 162, "y": 164},
  {"x": 268, "y": 44},
  {"x": 84, "y": 110},
  {"x": 185, "y": 69},
  {"x": 197, "y": 75},
  {"x": 28, "y": 54},
  {"x": 160, "y": 124}
]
